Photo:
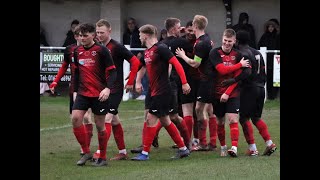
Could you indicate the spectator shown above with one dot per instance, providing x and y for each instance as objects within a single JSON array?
[
  {"x": 270, "y": 39},
  {"x": 163, "y": 34},
  {"x": 278, "y": 32},
  {"x": 70, "y": 34},
  {"x": 131, "y": 37},
  {"x": 243, "y": 24}
]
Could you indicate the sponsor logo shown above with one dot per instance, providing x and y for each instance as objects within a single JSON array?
[
  {"x": 81, "y": 61},
  {"x": 154, "y": 110},
  {"x": 170, "y": 110},
  {"x": 237, "y": 110},
  {"x": 199, "y": 97},
  {"x": 112, "y": 109},
  {"x": 101, "y": 110}
]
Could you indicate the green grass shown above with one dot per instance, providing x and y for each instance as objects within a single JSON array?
[{"x": 59, "y": 150}]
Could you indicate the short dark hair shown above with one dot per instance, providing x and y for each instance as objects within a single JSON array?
[
  {"x": 87, "y": 28},
  {"x": 170, "y": 23},
  {"x": 75, "y": 21},
  {"x": 189, "y": 23}
]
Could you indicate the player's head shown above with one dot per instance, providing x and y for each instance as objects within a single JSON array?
[
  {"x": 243, "y": 37},
  {"x": 147, "y": 32},
  {"x": 173, "y": 26},
  {"x": 228, "y": 39},
  {"x": 87, "y": 34},
  {"x": 199, "y": 22},
  {"x": 103, "y": 30},
  {"x": 189, "y": 31}
]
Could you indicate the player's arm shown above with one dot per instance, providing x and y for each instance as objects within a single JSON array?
[
  {"x": 140, "y": 74},
  {"x": 62, "y": 69},
  {"x": 262, "y": 68},
  {"x": 165, "y": 53},
  {"x": 195, "y": 62},
  {"x": 246, "y": 72},
  {"x": 217, "y": 62},
  {"x": 226, "y": 94},
  {"x": 134, "y": 64}
]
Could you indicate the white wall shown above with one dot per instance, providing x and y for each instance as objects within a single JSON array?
[
  {"x": 155, "y": 12},
  {"x": 56, "y": 18}
]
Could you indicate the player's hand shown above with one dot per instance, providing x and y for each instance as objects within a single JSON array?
[
  {"x": 245, "y": 62},
  {"x": 74, "y": 96},
  {"x": 129, "y": 88},
  {"x": 224, "y": 97},
  {"x": 104, "y": 94},
  {"x": 227, "y": 82},
  {"x": 52, "y": 86},
  {"x": 186, "y": 88},
  {"x": 139, "y": 87},
  {"x": 180, "y": 52}
]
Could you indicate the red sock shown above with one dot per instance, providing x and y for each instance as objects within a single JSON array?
[
  {"x": 89, "y": 129},
  {"x": 158, "y": 127},
  {"x": 118, "y": 136},
  {"x": 174, "y": 134},
  {"x": 183, "y": 129},
  {"x": 234, "y": 134},
  {"x": 103, "y": 142},
  {"x": 203, "y": 131},
  {"x": 144, "y": 130},
  {"x": 221, "y": 134},
  {"x": 189, "y": 123},
  {"x": 213, "y": 130},
  {"x": 263, "y": 129},
  {"x": 248, "y": 132},
  {"x": 148, "y": 137},
  {"x": 81, "y": 135}
]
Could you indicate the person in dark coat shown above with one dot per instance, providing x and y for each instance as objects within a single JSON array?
[
  {"x": 70, "y": 34},
  {"x": 243, "y": 24}
]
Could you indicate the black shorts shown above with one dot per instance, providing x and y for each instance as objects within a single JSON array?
[
  {"x": 84, "y": 103},
  {"x": 174, "y": 102},
  {"x": 114, "y": 101},
  {"x": 251, "y": 101},
  {"x": 191, "y": 97},
  {"x": 231, "y": 106},
  {"x": 204, "y": 92},
  {"x": 159, "y": 105},
  {"x": 70, "y": 102}
]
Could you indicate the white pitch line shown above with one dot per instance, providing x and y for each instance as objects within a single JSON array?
[{"x": 69, "y": 125}]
